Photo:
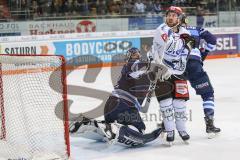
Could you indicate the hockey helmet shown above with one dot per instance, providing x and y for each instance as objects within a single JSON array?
[
  {"x": 174, "y": 9},
  {"x": 183, "y": 19},
  {"x": 132, "y": 52}
]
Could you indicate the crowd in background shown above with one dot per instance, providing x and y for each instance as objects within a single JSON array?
[
  {"x": 90, "y": 7},
  {"x": 25, "y": 9}
]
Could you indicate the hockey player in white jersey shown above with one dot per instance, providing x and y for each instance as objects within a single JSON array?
[{"x": 171, "y": 47}]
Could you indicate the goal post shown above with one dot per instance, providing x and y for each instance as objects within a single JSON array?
[{"x": 29, "y": 125}]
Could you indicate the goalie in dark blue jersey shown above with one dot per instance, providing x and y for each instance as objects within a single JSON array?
[{"x": 123, "y": 123}]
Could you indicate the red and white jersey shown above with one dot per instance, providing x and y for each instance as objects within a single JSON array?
[{"x": 169, "y": 49}]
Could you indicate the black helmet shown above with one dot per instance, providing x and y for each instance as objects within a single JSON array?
[
  {"x": 132, "y": 51},
  {"x": 183, "y": 19}
]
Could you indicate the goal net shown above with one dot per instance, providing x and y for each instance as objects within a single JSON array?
[{"x": 33, "y": 107}]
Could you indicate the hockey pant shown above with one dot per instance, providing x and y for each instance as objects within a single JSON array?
[
  {"x": 123, "y": 112},
  {"x": 199, "y": 79}
]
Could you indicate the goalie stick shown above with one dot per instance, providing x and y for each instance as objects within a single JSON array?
[{"x": 152, "y": 86}]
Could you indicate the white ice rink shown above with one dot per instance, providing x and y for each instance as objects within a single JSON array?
[{"x": 225, "y": 77}]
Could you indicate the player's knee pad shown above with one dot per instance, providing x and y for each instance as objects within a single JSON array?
[
  {"x": 179, "y": 109},
  {"x": 181, "y": 89},
  {"x": 180, "y": 114},
  {"x": 202, "y": 85}
]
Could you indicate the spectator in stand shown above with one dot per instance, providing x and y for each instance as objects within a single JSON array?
[
  {"x": 101, "y": 7},
  {"x": 157, "y": 6},
  {"x": 68, "y": 7},
  {"x": 113, "y": 7},
  {"x": 14, "y": 4},
  {"x": 24, "y": 5},
  {"x": 126, "y": 7},
  {"x": 139, "y": 7},
  {"x": 93, "y": 8},
  {"x": 149, "y": 7},
  {"x": 76, "y": 7},
  {"x": 212, "y": 7},
  {"x": 47, "y": 9},
  {"x": 223, "y": 5},
  {"x": 179, "y": 2},
  {"x": 36, "y": 9},
  {"x": 123, "y": 7},
  {"x": 24, "y": 10},
  {"x": 1, "y": 12},
  {"x": 56, "y": 6},
  {"x": 84, "y": 7}
]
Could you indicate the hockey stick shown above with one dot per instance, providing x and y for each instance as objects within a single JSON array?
[{"x": 152, "y": 86}]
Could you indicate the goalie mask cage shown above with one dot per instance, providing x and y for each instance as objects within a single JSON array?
[{"x": 33, "y": 107}]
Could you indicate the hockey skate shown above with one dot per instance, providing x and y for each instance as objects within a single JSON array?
[
  {"x": 185, "y": 136},
  {"x": 170, "y": 137},
  {"x": 211, "y": 130},
  {"x": 161, "y": 125}
]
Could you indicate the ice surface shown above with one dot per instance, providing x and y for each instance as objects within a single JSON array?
[{"x": 225, "y": 77}]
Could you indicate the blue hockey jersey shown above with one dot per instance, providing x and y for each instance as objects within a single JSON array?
[
  {"x": 201, "y": 35},
  {"x": 133, "y": 80}
]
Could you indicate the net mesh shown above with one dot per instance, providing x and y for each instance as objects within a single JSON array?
[{"x": 29, "y": 125}]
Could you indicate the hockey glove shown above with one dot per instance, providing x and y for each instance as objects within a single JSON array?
[
  {"x": 204, "y": 53},
  {"x": 189, "y": 41},
  {"x": 162, "y": 71}
]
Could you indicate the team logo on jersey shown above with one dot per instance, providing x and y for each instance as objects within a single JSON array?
[
  {"x": 174, "y": 47},
  {"x": 164, "y": 37}
]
